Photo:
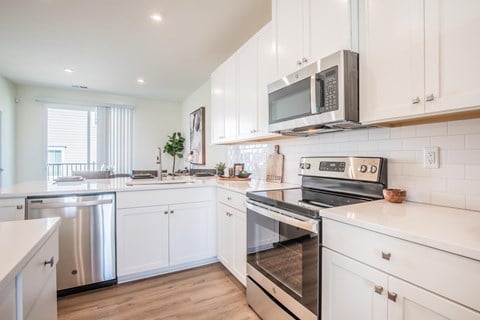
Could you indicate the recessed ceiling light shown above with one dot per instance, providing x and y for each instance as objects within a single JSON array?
[
  {"x": 140, "y": 81},
  {"x": 68, "y": 70},
  {"x": 156, "y": 17}
]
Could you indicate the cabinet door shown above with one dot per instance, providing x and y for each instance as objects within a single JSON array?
[
  {"x": 231, "y": 97},
  {"x": 247, "y": 88},
  {"x": 12, "y": 209},
  {"x": 218, "y": 104},
  {"x": 408, "y": 302},
  {"x": 391, "y": 47},
  {"x": 7, "y": 301},
  {"x": 225, "y": 235},
  {"x": 142, "y": 239},
  {"x": 329, "y": 27},
  {"x": 351, "y": 290},
  {"x": 45, "y": 306},
  {"x": 452, "y": 64},
  {"x": 240, "y": 246},
  {"x": 287, "y": 16},
  {"x": 192, "y": 232}
]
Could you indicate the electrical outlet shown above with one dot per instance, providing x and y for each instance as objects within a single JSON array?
[{"x": 431, "y": 157}]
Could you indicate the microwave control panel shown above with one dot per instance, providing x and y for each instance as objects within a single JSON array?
[{"x": 327, "y": 90}]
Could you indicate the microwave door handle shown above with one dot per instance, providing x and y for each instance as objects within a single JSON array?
[
  {"x": 305, "y": 224},
  {"x": 313, "y": 95}
]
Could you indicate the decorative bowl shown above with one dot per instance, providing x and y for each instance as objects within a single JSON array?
[
  {"x": 244, "y": 174},
  {"x": 394, "y": 195}
]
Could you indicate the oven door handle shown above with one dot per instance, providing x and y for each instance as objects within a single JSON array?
[{"x": 287, "y": 218}]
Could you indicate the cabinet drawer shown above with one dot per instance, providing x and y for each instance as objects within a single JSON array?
[
  {"x": 231, "y": 198},
  {"x": 36, "y": 273},
  {"x": 452, "y": 276},
  {"x": 146, "y": 198}
]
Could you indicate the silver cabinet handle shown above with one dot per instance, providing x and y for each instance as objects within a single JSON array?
[
  {"x": 171, "y": 211},
  {"x": 299, "y": 62},
  {"x": 229, "y": 198},
  {"x": 416, "y": 100},
  {"x": 19, "y": 207},
  {"x": 429, "y": 97},
  {"x": 386, "y": 255},
  {"x": 304, "y": 60},
  {"x": 49, "y": 262},
  {"x": 392, "y": 296},
  {"x": 378, "y": 289},
  {"x": 165, "y": 212}
]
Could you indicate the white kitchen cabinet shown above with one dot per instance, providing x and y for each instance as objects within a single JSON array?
[
  {"x": 232, "y": 233},
  {"x": 451, "y": 54},
  {"x": 351, "y": 290},
  {"x": 231, "y": 96},
  {"x": 192, "y": 232},
  {"x": 247, "y": 88},
  {"x": 417, "y": 59},
  {"x": 372, "y": 294},
  {"x": 12, "y": 209},
  {"x": 413, "y": 281},
  {"x": 142, "y": 239},
  {"x": 159, "y": 231},
  {"x": 218, "y": 104},
  {"x": 308, "y": 30},
  {"x": 8, "y": 302}
]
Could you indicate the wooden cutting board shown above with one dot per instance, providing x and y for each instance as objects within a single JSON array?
[{"x": 275, "y": 166}]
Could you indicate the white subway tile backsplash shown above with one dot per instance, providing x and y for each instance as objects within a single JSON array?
[
  {"x": 432, "y": 129},
  {"x": 464, "y": 126},
  {"x": 449, "y": 142},
  {"x": 472, "y": 141},
  {"x": 456, "y": 183},
  {"x": 415, "y": 143}
]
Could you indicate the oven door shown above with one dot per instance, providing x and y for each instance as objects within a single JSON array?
[{"x": 283, "y": 254}]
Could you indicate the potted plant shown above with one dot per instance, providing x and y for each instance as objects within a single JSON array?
[
  {"x": 220, "y": 168},
  {"x": 174, "y": 147}
]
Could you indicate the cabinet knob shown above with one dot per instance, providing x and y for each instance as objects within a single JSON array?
[
  {"x": 49, "y": 262},
  {"x": 304, "y": 60},
  {"x": 416, "y": 100},
  {"x": 392, "y": 296},
  {"x": 299, "y": 62},
  {"x": 429, "y": 97},
  {"x": 378, "y": 289},
  {"x": 171, "y": 211},
  {"x": 229, "y": 198},
  {"x": 165, "y": 212},
  {"x": 386, "y": 255},
  {"x": 19, "y": 207}
]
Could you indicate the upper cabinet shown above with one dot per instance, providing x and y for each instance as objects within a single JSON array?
[
  {"x": 308, "y": 30},
  {"x": 417, "y": 58},
  {"x": 239, "y": 91}
]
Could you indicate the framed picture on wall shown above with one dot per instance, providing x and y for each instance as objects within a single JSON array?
[
  {"x": 237, "y": 168},
  {"x": 197, "y": 136}
]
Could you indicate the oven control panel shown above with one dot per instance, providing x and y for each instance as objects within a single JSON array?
[{"x": 350, "y": 168}]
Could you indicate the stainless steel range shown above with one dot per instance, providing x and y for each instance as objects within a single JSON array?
[{"x": 284, "y": 232}]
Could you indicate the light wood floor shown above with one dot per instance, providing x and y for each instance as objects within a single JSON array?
[{"x": 207, "y": 292}]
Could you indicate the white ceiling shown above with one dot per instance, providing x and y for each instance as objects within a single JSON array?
[{"x": 111, "y": 43}]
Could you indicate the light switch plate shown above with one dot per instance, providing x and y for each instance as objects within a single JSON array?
[{"x": 431, "y": 157}]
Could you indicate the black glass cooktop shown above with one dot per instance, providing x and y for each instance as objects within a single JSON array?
[{"x": 302, "y": 200}]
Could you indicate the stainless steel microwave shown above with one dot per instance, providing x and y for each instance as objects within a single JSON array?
[{"x": 321, "y": 97}]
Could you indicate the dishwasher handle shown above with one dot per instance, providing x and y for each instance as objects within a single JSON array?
[{"x": 38, "y": 204}]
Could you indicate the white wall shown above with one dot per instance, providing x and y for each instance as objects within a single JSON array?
[
  {"x": 201, "y": 98},
  {"x": 455, "y": 184},
  {"x": 7, "y": 108},
  {"x": 152, "y": 122}
]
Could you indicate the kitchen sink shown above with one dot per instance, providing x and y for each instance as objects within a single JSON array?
[{"x": 156, "y": 182}]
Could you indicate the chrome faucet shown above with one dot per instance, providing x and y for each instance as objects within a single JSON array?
[{"x": 159, "y": 162}]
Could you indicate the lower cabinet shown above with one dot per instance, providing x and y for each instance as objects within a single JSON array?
[
  {"x": 232, "y": 240},
  {"x": 352, "y": 290},
  {"x": 8, "y": 302},
  {"x": 153, "y": 238},
  {"x": 12, "y": 209}
]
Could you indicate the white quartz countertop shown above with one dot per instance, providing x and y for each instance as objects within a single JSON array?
[
  {"x": 19, "y": 241},
  {"x": 40, "y": 188},
  {"x": 449, "y": 229}
]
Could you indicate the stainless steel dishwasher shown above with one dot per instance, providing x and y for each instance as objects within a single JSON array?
[{"x": 86, "y": 239}]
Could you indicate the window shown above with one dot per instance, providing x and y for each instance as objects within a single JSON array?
[{"x": 88, "y": 139}]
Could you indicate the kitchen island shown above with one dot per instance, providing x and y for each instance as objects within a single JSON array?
[{"x": 29, "y": 253}]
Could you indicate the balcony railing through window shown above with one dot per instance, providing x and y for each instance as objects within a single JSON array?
[{"x": 55, "y": 170}]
